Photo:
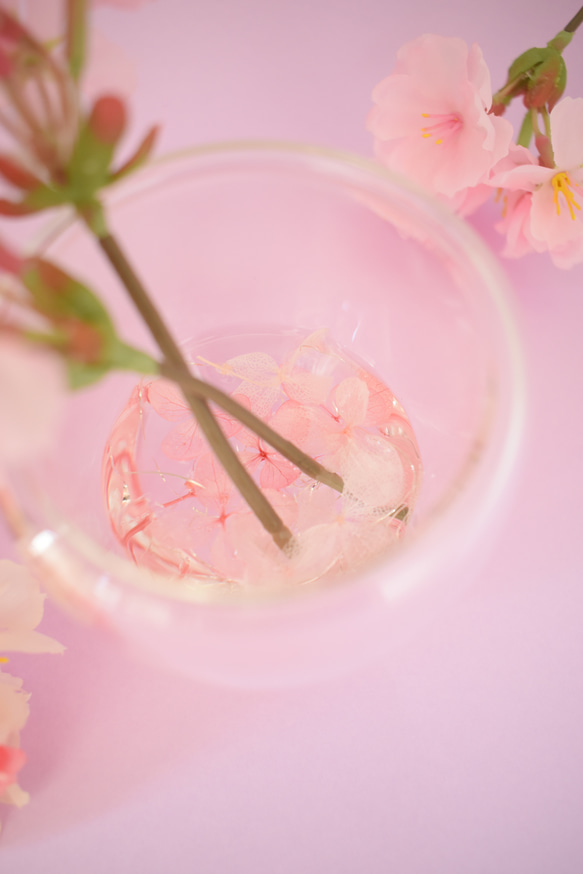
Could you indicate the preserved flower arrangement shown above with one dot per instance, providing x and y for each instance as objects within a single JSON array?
[{"x": 268, "y": 461}]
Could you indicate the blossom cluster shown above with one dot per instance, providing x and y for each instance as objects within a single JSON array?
[
  {"x": 21, "y": 610},
  {"x": 436, "y": 121},
  {"x": 174, "y": 509}
]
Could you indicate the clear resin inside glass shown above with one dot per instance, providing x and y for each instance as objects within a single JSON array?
[{"x": 174, "y": 510}]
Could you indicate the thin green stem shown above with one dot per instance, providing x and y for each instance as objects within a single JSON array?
[{"x": 76, "y": 36}]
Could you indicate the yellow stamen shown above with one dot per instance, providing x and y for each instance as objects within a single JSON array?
[
  {"x": 562, "y": 185},
  {"x": 3, "y": 659},
  {"x": 438, "y": 142}
]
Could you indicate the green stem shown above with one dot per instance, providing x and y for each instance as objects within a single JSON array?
[
  {"x": 575, "y": 22},
  {"x": 197, "y": 393},
  {"x": 210, "y": 427},
  {"x": 525, "y": 135},
  {"x": 289, "y": 450},
  {"x": 76, "y": 36}
]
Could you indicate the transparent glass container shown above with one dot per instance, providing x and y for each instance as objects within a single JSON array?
[{"x": 252, "y": 237}]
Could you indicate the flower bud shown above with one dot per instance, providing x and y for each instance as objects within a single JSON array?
[{"x": 108, "y": 119}]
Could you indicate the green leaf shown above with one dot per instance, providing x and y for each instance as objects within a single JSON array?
[
  {"x": 526, "y": 62},
  {"x": 121, "y": 356},
  {"x": 57, "y": 295},
  {"x": 81, "y": 375}
]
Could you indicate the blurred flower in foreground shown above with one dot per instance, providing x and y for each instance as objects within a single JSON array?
[
  {"x": 38, "y": 106},
  {"x": 21, "y": 609},
  {"x": 431, "y": 119}
]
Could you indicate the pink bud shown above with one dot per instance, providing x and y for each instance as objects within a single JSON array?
[
  {"x": 9, "y": 262},
  {"x": 17, "y": 175},
  {"x": 108, "y": 119}
]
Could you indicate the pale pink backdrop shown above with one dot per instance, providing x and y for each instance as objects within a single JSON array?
[{"x": 463, "y": 751}]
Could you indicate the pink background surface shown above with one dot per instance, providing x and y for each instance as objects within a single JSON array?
[{"x": 461, "y": 752}]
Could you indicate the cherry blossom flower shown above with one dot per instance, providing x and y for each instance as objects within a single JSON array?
[
  {"x": 38, "y": 106},
  {"x": 21, "y": 610},
  {"x": 32, "y": 398},
  {"x": 14, "y": 711},
  {"x": 544, "y": 204},
  {"x": 431, "y": 120}
]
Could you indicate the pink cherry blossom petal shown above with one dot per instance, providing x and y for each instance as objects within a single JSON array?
[
  {"x": 431, "y": 119},
  {"x": 11, "y": 761},
  {"x": 567, "y": 132}
]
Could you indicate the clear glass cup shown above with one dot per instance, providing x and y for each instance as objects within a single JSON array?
[{"x": 252, "y": 237}]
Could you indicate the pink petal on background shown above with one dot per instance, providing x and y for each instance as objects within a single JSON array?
[
  {"x": 567, "y": 133},
  {"x": 21, "y": 610},
  {"x": 32, "y": 399}
]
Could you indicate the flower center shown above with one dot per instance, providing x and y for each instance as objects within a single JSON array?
[
  {"x": 445, "y": 124},
  {"x": 563, "y": 185}
]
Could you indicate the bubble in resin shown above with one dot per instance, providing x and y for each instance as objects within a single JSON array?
[{"x": 175, "y": 511}]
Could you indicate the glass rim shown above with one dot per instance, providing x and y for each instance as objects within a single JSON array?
[{"x": 405, "y": 567}]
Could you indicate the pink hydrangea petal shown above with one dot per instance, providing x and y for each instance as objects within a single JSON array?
[
  {"x": 183, "y": 442},
  {"x": 217, "y": 487},
  {"x": 167, "y": 400},
  {"x": 373, "y": 473},
  {"x": 381, "y": 401},
  {"x": 293, "y": 421},
  {"x": 277, "y": 472},
  {"x": 567, "y": 132},
  {"x": 307, "y": 388},
  {"x": 350, "y": 398}
]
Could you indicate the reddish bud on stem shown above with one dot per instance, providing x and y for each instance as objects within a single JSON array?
[
  {"x": 9, "y": 262},
  {"x": 17, "y": 175},
  {"x": 108, "y": 119}
]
